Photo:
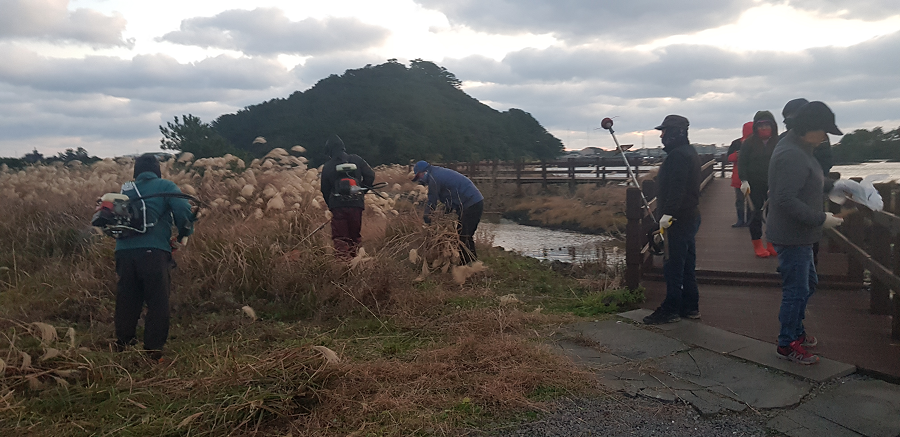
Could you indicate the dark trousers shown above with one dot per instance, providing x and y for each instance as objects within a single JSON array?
[
  {"x": 466, "y": 226},
  {"x": 756, "y": 215},
  {"x": 739, "y": 205},
  {"x": 144, "y": 277},
  {"x": 682, "y": 294},
  {"x": 346, "y": 222}
]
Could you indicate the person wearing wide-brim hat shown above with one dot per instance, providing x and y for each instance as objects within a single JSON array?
[
  {"x": 678, "y": 206},
  {"x": 795, "y": 221}
]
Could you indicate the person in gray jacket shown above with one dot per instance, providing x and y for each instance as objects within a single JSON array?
[{"x": 795, "y": 221}]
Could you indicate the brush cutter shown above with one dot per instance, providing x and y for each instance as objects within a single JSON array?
[
  {"x": 657, "y": 239},
  {"x": 607, "y": 124}
]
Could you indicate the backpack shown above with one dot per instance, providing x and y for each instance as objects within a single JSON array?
[
  {"x": 122, "y": 216},
  {"x": 348, "y": 184}
]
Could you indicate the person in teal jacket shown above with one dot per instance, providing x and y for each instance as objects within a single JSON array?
[{"x": 144, "y": 260}]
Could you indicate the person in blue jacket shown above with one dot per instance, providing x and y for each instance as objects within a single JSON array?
[
  {"x": 458, "y": 195},
  {"x": 144, "y": 260}
]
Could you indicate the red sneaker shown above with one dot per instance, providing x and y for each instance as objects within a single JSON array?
[{"x": 795, "y": 352}]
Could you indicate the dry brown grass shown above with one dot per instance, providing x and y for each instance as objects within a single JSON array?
[
  {"x": 424, "y": 356},
  {"x": 590, "y": 208}
]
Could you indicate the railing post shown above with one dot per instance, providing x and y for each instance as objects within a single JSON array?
[
  {"x": 571, "y": 175},
  {"x": 518, "y": 165},
  {"x": 880, "y": 249},
  {"x": 597, "y": 170},
  {"x": 634, "y": 213},
  {"x": 603, "y": 162},
  {"x": 544, "y": 174}
]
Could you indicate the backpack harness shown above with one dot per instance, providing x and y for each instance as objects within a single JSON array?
[{"x": 121, "y": 216}]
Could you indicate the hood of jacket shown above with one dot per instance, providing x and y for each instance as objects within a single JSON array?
[{"x": 334, "y": 146}]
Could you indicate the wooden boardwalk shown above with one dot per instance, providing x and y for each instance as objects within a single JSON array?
[{"x": 742, "y": 293}]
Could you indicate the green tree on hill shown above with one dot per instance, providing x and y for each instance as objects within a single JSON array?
[
  {"x": 864, "y": 145},
  {"x": 390, "y": 114},
  {"x": 192, "y": 135}
]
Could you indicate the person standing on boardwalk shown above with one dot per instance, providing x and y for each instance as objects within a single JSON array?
[
  {"x": 822, "y": 153},
  {"x": 734, "y": 151},
  {"x": 340, "y": 175},
  {"x": 459, "y": 195},
  {"x": 678, "y": 209},
  {"x": 795, "y": 222},
  {"x": 753, "y": 164},
  {"x": 144, "y": 261}
]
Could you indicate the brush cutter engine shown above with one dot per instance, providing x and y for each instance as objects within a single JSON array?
[
  {"x": 117, "y": 216},
  {"x": 120, "y": 216},
  {"x": 656, "y": 242}
]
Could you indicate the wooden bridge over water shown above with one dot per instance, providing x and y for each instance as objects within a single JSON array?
[{"x": 855, "y": 312}]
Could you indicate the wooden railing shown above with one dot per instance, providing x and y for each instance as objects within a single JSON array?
[
  {"x": 571, "y": 171},
  {"x": 640, "y": 221},
  {"x": 871, "y": 240}
]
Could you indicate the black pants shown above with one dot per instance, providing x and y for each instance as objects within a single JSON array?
[
  {"x": 466, "y": 227},
  {"x": 758, "y": 196},
  {"x": 144, "y": 276}
]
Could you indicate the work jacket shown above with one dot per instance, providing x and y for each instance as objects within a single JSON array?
[{"x": 161, "y": 212}]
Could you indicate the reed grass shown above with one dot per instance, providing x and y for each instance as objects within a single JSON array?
[{"x": 270, "y": 334}]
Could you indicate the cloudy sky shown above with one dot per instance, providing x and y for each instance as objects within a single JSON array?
[{"x": 104, "y": 74}]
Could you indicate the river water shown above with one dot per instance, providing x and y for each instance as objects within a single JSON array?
[
  {"x": 551, "y": 244},
  {"x": 569, "y": 246}
]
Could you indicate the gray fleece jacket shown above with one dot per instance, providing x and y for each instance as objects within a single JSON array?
[{"x": 796, "y": 200}]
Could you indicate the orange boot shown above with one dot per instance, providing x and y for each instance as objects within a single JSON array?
[
  {"x": 760, "y": 249},
  {"x": 771, "y": 249}
]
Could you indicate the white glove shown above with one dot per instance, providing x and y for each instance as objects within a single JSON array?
[
  {"x": 665, "y": 221},
  {"x": 745, "y": 188},
  {"x": 831, "y": 221}
]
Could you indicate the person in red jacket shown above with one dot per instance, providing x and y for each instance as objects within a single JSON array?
[{"x": 733, "y": 152}]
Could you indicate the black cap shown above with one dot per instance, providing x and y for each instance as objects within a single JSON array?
[
  {"x": 147, "y": 162},
  {"x": 790, "y": 108},
  {"x": 816, "y": 116},
  {"x": 673, "y": 121}
]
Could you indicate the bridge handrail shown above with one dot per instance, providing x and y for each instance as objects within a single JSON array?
[{"x": 871, "y": 240}]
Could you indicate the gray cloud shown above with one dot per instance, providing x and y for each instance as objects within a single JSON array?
[
  {"x": 269, "y": 31},
  {"x": 50, "y": 20},
  {"x": 572, "y": 89},
  {"x": 155, "y": 77},
  {"x": 579, "y": 20},
  {"x": 861, "y": 9},
  {"x": 635, "y": 21}
]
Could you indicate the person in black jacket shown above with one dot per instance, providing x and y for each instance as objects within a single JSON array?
[
  {"x": 342, "y": 175},
  {"x": 678, "y": 208}
]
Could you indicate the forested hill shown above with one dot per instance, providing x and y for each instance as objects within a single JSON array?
[{"x": 389, "y": 113}]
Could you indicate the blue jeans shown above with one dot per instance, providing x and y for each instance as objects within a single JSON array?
[
  {"x": 682, "y": 294},
  {"x": 799, "y": 280}
]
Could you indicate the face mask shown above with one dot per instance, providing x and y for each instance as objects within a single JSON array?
[{"x": 764, "y": 132}]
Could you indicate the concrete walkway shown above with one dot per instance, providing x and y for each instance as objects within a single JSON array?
[{"x": 717, "y": 372}]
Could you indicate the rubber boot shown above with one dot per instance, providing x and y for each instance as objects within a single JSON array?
[
  {"x": 771, "y": 249},
  {"x": 760, "y": 249}
]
